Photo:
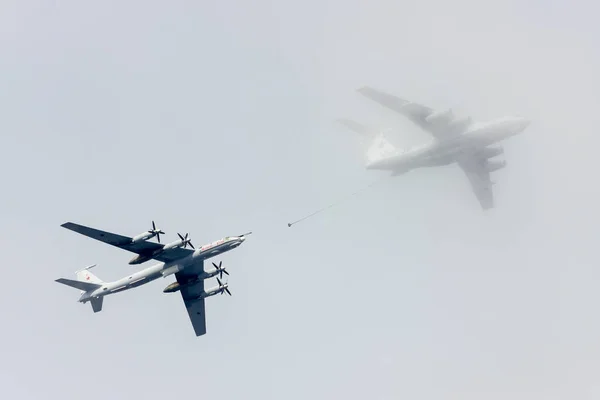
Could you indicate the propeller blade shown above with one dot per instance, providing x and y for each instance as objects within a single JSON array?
[
  {"x": 180, "y": 237},
  {"x": 228, "y": 292},
  {"x": 191, "y": 245},
  {"x": 158, "y": 236},
  {"x": 153, "y": 226},
  {"x": 219, "y": 282},
  {"x": 225, "y": 272}
]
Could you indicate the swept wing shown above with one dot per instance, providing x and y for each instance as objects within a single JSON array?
[
  {"x": 473, "y": 166},
  {"x": 124, "y": 242},
  {"x": 416, "y": 113},
  {"x": 190, "y": 293},
  {"x": 472, "y": 163}
]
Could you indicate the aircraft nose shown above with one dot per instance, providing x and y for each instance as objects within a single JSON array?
[{"x": 522, "y": 123}]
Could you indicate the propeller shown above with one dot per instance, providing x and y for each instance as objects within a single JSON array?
[
  {"x": 156, "y": 232},
  {"x": 221, "y": 270},
  {"x": 223, "y": 287},
  {"x": 186, "y": 241}
]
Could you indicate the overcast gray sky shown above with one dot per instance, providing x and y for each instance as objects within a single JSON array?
[{"x": 216, "y": 117}]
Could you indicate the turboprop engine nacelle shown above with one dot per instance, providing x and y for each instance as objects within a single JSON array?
[
  {"x": 440, "y": 117},
  {"x": 216, "y": 290},
  {"x": 212, "y": 292},
  {"x": 492, "y": 166},
  {"x": 183, "y": 241},
  {"x": 149, "y": 234},
  {"x": 172, "y": 245},
  {"x": 142, "y": 237}
]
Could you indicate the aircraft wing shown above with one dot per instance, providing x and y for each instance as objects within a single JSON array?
[
  {"x": 479, "y": 179},
  {"x": 124, "y": 242},
  {"x": 195, "y": 307},
  {"x": 415, "y": 112},
  {"x": 354, "y": 126}
]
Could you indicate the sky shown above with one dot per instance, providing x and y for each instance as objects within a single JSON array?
[{"x": 217, "y": 118}]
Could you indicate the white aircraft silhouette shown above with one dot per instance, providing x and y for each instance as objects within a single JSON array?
[
  {"x": 175, "y": 258},
  {"x": 456, "y": 140}
]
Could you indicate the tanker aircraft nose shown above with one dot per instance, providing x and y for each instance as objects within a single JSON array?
[{"x": 519, "y": 124}]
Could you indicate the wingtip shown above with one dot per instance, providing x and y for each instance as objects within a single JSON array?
[
  {"x": 342, "y": 122},
  {"x": 364, "y": 89}
]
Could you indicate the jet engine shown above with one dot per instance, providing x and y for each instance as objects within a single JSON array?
[
  {"x": 489, "y": 152},
  {"x": 492, "y": 166},
  {"x": 460, "y": 124},
  {"x": 439, "y": 117}
]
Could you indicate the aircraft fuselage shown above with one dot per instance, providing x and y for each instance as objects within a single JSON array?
[
  {"x": 208, "y": 250},
  {"x": 444, "y": 152},
  {"x": 162, "y": 270}
]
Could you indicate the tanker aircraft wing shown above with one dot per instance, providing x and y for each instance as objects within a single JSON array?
[
  {"x": 440, "y": 125},
  {"x": 479, "y": 179}
]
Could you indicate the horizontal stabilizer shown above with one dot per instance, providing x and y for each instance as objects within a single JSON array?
[{"x": 85, "y": 286}]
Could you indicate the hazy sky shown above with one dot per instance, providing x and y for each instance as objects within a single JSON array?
[{"x": 216, "y": 118}]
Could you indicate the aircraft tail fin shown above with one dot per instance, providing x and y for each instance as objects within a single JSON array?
[
  {"x": 85, "y": 275},
  {"x": 86, "y": 281},
  {"x": 380, "y": 148}
]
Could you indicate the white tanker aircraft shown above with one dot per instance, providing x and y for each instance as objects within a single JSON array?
[
  {"x": 456, "y": 140},
  {"x": 175, "y": 258}
]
